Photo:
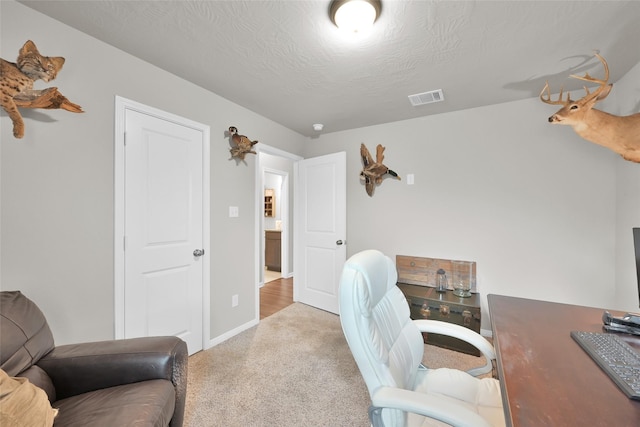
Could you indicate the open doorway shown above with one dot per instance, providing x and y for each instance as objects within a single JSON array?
[
  {"x": 274, "y": 229},
  {"x": 275, "y": 223}
]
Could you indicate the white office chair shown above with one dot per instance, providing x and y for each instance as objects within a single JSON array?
[{"x": 388, "y": 348}]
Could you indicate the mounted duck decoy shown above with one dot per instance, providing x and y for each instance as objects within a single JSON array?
[{"x": 373, "y": 172}]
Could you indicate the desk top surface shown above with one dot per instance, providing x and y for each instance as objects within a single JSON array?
[{"x": 545, "y": 376}]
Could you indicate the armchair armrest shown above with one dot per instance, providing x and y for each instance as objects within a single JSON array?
[
  {"x": 429, "y": 406},
  {"x": 465, "y": 334},
  {"x": 78, "y": 368}
]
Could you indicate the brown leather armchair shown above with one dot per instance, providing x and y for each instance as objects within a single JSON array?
[{"x": 139, "y": 381}]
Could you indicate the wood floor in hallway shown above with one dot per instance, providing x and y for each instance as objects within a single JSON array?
[{"x": 275, "y": 295}]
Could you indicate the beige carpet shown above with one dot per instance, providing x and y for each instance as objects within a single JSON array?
[{"x": 293, "y": 369}]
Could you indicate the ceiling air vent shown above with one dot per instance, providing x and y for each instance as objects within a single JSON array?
[{"x": 426, "y": 97}]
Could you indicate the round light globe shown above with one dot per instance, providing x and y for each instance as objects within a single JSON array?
[{"x": 355, "y": 16}]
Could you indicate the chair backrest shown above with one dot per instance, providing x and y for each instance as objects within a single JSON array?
[
  {"x": 24, "y": 333},
  {"x": 375, "y": 318}
]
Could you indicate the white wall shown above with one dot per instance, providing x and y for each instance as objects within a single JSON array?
[
  {"x": 57, "y": 182},
  {"x": 624, "y": 100},
  {"x": 536, "y": 206},
  {"x": 532, "y": 203}
]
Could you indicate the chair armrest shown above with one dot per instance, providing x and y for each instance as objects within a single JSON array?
[
  {"x": 429, "y": 406},
  {"x": 464, "y": 334},
  {"x": 78, "y": 368}
]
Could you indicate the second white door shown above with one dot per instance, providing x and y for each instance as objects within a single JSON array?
[
  {"x": 163, "y": 229},
  {"x": 321, "y": 210}
]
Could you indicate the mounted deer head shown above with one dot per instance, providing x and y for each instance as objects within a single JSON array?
[{"x": 619, "y": 134}]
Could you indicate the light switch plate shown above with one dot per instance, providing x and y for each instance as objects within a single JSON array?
[{"x": 233, "y": 212}]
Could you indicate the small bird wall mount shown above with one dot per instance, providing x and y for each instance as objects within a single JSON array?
[
  {"x": 16, "y": 85},
  {"x": 373, "y": 172},
  {"x": 241, "y": 144}
]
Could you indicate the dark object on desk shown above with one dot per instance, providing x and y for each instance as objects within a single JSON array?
[
  {"x": 142, "y": 380},
  {"x": 427, "y": 303},
  {"x": 616, "y": 358},
  {"x": 629, "y": 323}
]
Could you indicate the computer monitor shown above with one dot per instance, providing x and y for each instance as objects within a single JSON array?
[{"x": 636, "y": 244}]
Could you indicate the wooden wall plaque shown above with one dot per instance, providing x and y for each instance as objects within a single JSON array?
[{"x": 422, "y": 271}]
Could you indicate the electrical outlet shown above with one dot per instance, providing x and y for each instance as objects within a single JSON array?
[
  {"x": 234, "y": 300},
  {"x": 233, "y": 212}
]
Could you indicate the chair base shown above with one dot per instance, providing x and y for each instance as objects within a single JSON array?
[{"x": 375, "y": 416}]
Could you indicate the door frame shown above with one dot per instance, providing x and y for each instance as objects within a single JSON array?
[
  {"x": 121, "y": 106},
  {"x": 259, "y": 206}
]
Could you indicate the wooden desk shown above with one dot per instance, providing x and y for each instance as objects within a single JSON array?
[{"x": 545, "y": 376}]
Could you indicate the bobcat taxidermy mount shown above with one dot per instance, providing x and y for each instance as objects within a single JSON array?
[{"x": 16, "y": 85}]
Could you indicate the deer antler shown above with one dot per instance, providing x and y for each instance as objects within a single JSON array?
[
  {"x": 549, "y": 101},
  {"x": 589, "y": 96},
  {"x": 602, "y": 83}
]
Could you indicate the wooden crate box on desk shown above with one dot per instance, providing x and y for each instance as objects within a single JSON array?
[{"x": 417, "y": 278}]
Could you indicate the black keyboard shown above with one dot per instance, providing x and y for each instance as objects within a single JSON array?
[{"x": 616, "y": 358}]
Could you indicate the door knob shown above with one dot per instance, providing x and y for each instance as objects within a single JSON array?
[
  {"x": 198, "y": 252},
  {"x": 339, "y": 242}
]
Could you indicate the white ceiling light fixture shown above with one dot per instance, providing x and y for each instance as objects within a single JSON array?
[{"x": 354, "y": 16}]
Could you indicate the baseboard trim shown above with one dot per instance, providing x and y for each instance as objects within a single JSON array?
[{"x": 232, "y": 333}]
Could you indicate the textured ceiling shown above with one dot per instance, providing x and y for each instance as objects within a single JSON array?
[{"x": 285, "y": 60}]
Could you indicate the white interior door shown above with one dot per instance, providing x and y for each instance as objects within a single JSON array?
[
  {"x": 321, "y": 224},
  {"x": 163, "y": 229}
]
